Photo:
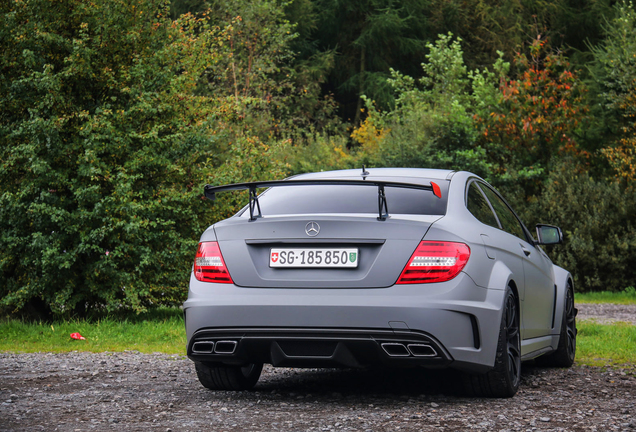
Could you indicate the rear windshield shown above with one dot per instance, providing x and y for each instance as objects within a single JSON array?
[{"x": 350, "y": 199}]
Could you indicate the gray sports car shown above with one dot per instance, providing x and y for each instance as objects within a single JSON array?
[{"x": 397, "y": 267}]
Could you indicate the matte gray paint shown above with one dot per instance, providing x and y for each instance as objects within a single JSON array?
[
  {"x": 380, "y": 265},
  {"x": 439, "y": 309},
  {"x": 367, "y": 298}
]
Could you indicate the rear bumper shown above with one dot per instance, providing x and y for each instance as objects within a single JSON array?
[
  {"x": 451, "y": 324},
  {"x": 312, "y": 347}
]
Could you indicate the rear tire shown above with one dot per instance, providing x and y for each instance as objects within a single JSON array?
[
  {"x": 222, "y": 377},
  {"x": 566, "y": 350},
  {"x": 504, "y": 379}
]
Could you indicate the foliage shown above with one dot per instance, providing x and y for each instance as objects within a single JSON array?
[
  {"x": 508, "y": 129},
  {"x": 433, "y": 123},
  {"x": 615, "y": 59},
  {"x": 370, "y": 37},
  {"x": 182, "y": 7},
  {"x": 537, "y": 118},
  {"x": 266, "y": 108},
  {"x": 254, "y": 71},
  {"x": 99, "y": 151},
  {"x": 506, "y": 26},
  {"x": 597, "y": 218},
  {"x": 104, "y": 148},
  {"x": 113, "y": 116},
  {"x": 318, "y": 152}
]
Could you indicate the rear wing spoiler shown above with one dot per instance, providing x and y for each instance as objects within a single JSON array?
[{"x": 383, "y": 210}]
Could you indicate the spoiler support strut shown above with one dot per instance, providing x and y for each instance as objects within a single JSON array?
[
  {"x": 253, "y": 202},
  {"x": 383, "y": 209}
]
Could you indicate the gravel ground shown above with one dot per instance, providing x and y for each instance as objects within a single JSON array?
[
  {"x": 607, "y": 313},
  {"x": 138, "y": 392}
]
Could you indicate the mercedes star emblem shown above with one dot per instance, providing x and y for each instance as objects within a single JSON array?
[{"x": 312, "y": 229}]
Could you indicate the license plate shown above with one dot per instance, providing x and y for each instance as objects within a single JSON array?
[{"x": 317, "y": 258}]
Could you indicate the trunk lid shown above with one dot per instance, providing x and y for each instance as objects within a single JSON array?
[{"x": 383, "y": 247}]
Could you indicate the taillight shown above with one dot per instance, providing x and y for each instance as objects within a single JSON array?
[
  {"x": 435, "y": 261},
  {"x": 209, "y": 265}
]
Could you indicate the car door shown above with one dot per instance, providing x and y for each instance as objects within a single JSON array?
[
  {"x": 540, "y": 292},
  {"x": 537, "y": 299}
]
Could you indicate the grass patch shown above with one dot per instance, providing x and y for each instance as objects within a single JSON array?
[
  {"x": 163, "y": 331},
  {"x": 602, "y": 344},
  {"x": 628, "y": 296},
  {"x": 157, "y": 331}
]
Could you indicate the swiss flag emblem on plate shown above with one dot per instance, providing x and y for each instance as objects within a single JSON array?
[{"x": 274, "y": 257}]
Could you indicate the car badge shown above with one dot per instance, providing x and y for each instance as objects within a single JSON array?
[{"x": 312, "y": 229}]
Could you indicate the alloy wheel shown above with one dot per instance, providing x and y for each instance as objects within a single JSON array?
[
  {"x": 513, "y": 340},
  {"x": 570, "y": 322}
]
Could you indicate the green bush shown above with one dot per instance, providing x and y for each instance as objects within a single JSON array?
[
  {"x": 433, "y": 122},
  {"x": 100, "y": 156},
  {"x": 111, "y": 122},
  {"x": 614, "y": 70},
  {"x": 597, "y": 217}
]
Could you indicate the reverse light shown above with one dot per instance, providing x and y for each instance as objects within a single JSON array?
[
  {"x": 209, "y": 265},
  {"x": 435, "y": 261}
]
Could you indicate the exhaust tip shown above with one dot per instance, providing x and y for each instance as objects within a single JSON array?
[
  {"x": 205, "y": 347},
  {"x": 225, "y": 347},
  {"x": 395, "y": 349},
  {"x": 422, "y": 350}
]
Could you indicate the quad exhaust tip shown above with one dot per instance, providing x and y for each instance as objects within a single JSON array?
[
  {"x": 225, "y": 347},
  {"x": 396, "y": 349},
  {"x": 205, "y": 347},
  {"x": 422, "y": 350},
  {"x": 210, "y": 347}
]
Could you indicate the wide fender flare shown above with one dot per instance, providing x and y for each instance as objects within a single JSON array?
[
  {"x": 561, "y": 279},
  {"x": 500, "y": 278}
]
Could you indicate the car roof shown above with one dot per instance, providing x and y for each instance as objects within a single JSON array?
[{"x": 409, "y": 175}]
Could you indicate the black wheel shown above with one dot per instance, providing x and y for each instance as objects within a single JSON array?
[
  {"x": 566, "y": 350},
  {"x": 222, "y": 377},
  {"x": 503, "y": 380}
]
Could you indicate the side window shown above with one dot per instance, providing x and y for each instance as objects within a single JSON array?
[
  {"x": 509, "y": 221},
  {"x": 476, "y": 204}
]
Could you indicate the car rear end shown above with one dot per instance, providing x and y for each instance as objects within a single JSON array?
[{"x": 358, "y": 291}]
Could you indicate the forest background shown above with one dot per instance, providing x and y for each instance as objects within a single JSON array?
[{"x": 115, "y": 113}]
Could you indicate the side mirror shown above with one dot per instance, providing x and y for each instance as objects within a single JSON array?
[{"x": 549, "y": 234}]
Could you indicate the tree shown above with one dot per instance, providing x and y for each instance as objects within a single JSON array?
[
  {"x": 615, "y": 61},
  {"x": 505, "y": 25},
  {"x": 102, "y": 150},
  {"x": 537, "y": 119},
  {"x": 597, "y": 218},
  {"x": 182, "y": 7},
  {"x": 433, "y": 122},
  {"x": 370, "y": 37}
]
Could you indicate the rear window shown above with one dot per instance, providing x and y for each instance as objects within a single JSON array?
[{"x": 350, "y": 199}]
